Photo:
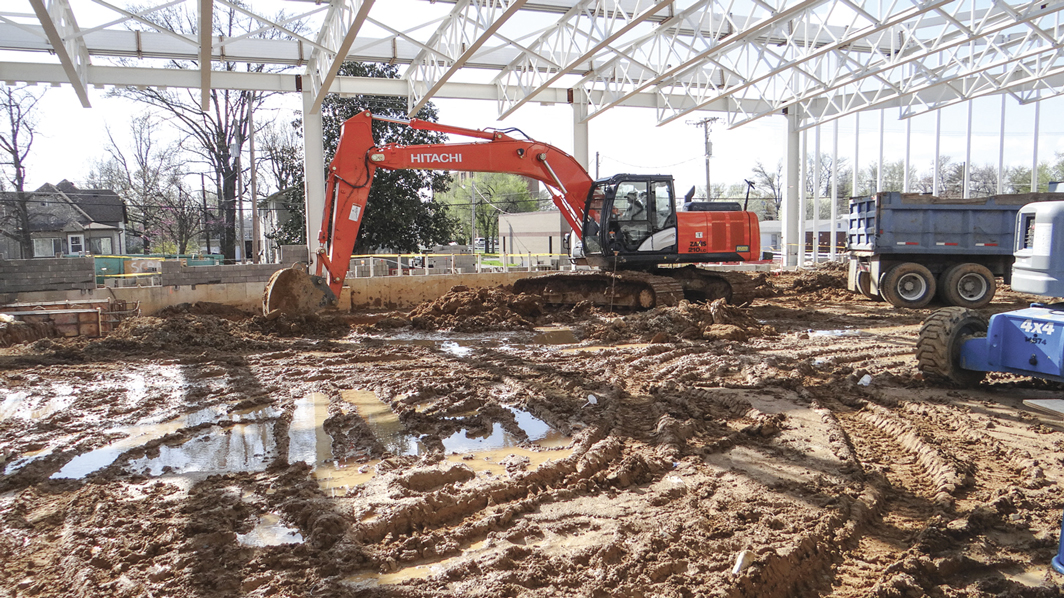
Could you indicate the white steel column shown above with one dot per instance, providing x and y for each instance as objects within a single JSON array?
[
  {"x": 1034, "y": 159},
  {"x": 938, "y": 140},
  {"x": 790, "y": 202},
  {"x": 968, "y": 155},
  {"x": 834, "y": 187},
  {"x": 908, "y": 146},
  {"x": 580, "y": 137},
  {"x": 255, "y": 228},
  {"x": 1001, "y": 150},
  {"x": 803, "y": 177},
  {"x": 856, "y": 153},
  {"x": 313, "y": 172},
  {"x": 879, "y": 169},
  {"x": 816, "y": 194}
]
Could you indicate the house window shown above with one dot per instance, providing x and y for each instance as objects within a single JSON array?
[
  {"x": 101, "y": 246},
  {"x": 47, "y": 247},
  {"x": 77, "y": 243}
]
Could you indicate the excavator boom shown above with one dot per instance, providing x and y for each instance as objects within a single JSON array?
[
  {"x": 350, "y": 177},
  {"x": 357, "y": 157}
]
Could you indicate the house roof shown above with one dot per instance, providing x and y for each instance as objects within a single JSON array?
[
  {"x": 64, "y": 207},
  {"x": 101, "y": 205}
]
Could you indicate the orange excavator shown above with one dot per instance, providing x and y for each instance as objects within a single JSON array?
[{"x": 627, "y": 225}]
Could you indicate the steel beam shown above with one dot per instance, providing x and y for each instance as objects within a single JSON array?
[
  {"x": 338, "y": 32},
  {"x": 59, "y": 25},
  {"x": 572, "y": 42},
  {"x": 206, "y": 35},
  {"x": 471, "y": 24}
]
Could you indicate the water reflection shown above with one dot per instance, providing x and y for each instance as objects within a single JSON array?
[
  {"x": 239, "y": 448},
  {"x": 270, "y": 532}
]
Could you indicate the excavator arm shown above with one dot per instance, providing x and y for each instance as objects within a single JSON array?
[{"x": 350, "y": 177}]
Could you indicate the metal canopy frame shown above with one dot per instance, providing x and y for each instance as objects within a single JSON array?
[{"x": 750, "y": 58}]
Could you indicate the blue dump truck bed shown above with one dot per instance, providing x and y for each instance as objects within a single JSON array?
[
  {"x": 908, "y": 248},
  {"x": 893, "y": 223}
]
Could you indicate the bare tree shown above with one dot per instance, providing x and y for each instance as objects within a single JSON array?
[
  {"x": 217, "y": 135},
  {"x": 282, "y": 146},
  {"x": 16, "y": 139},
  {"x": 149, "y": 177},
  {"x": 769, "y": 184}
]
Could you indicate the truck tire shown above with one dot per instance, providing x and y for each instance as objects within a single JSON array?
[
  {"x": 908, "y": 285},
  {"x": 967, "y": 285},
  {"x": 864, "y": 285},
  {"x": 938, "y": 348}
]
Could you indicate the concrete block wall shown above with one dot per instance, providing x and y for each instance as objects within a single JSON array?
[
  {"x": 47, "y": 274},
  {"x": 175, "y": 273},
  {"x": 291, "y": 254}
]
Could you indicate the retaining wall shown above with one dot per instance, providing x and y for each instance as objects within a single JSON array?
[
  {"x": 175, "y": 273},
  {"x": 392, "y": 292},
  {"x": 17, "y": 276}
]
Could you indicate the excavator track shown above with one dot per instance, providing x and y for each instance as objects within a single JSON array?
[
  {"x": 636, "y": 290},
  {"x": 642, "y": 290},
  {"x": 699, "y": 284}
]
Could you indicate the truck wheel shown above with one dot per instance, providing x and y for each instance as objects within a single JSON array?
[
  {"x": 967, "y": 285},
  {"x": 908, "y": 285},
  {"x": 864, "y": 285},
  {"x": 938, "y": 350}
]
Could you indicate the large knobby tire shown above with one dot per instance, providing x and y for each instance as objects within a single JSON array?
[
  {"x": 967, "y": 285},
  {"x": 908, "y": 285},
  {"x": 938, "y": 349}
]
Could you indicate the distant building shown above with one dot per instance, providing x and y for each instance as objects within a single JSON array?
[
  {"x": 65, "y": 220},
  {"x": 533, "y": 232},
  {"x": 772, "y": 235}
]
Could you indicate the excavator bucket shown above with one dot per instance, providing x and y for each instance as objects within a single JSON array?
[{"x": 294, "y": 292}]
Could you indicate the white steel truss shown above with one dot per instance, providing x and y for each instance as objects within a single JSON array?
[
  {"x": 820, "y": 59},
  {"x": 470, "y": 25}
]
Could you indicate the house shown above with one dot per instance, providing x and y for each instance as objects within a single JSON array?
[{"x": 66, "y": 220}]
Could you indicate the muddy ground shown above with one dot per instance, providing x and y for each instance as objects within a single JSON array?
[{"x": 691, "y": 451}]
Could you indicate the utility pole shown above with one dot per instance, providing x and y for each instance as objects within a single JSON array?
[
  {"x": 473, "y": 216},
  {"x": 596, "y": 165},
  {"x": 706, "y": 123},
  {"x": 206, "y": 214}
]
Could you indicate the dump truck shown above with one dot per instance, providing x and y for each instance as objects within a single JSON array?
[{"x": 907, "y": 248}]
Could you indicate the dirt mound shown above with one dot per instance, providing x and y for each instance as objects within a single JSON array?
[
  {"x": 205, "y": 308},
  {"x": 463, "y": 309},
  {"x": 689, "y": 321},
  {"x": 831, "y": 275},
  {"x": 13, "y": 332},
  {"x": 180, "y": 332}
]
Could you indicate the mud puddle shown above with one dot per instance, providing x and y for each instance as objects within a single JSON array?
[
  {"x": 309, "y": 443},
  {"x": 462, "y": 345},
  {"x": 269, "y": 531},
  {"x": 240, "y": 447}
]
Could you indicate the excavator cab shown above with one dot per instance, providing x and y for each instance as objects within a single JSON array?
[{"x": 630, "y": 215}]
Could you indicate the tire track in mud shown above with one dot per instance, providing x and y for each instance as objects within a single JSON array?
[{"x": 912, "y": 483}]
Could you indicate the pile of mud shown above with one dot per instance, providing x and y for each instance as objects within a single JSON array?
[
  {"x": 688, "y": 321},
  {"x": 205, "y": 308},
  {"x": 826, "y": 281},
  {"x": 13, "y": 332},
  {"x": 464, "y": 309},
  {"x": 248, "y": 324},
  {"x": 181, "y": 332}
]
